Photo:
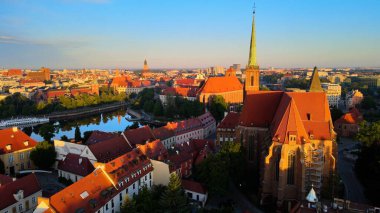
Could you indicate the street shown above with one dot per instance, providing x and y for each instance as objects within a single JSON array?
[{"x": 353, "y": 188}]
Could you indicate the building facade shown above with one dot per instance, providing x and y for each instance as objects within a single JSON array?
[
  {"x": 15, "y": 148},
  {"x": 333, "y": 93}
]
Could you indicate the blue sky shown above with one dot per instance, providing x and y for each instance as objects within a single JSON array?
[{"x": 184, "y": 34}]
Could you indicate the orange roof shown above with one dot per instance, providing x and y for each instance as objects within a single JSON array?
[
  {"x": 181, "y": 91},
  {"x": 230, "y": 121},
  {"x": 286, "y": 113},
  {"x": 81, "y": 194},
  {"x": 221, "y": 84},
  {"x": 13, "y": 139},
  {"x": 154, "y": 149},
  {"x": 352, "y": 117},
  {"x": 139, "y": 135}
]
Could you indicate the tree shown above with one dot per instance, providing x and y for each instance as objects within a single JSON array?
[
  {"x": 46, "y": 131},
  {"x": 64, "y": 138},
  {"x": 368, "y": 103},
  {"x": 28, "y": 130},
  {"x": 217, "y": 107},
  {"x": 174, "y": 199},
  {"x": 134, "y": 125},
  {"x": 78, "y": 135},
  {"x": 369, "y": 133},
  {"x": 129, "y": 206},
  {"x": 43, "y": 155},
  {"x": 2, "y": 168},
  {"x": 158, "y": 109}
]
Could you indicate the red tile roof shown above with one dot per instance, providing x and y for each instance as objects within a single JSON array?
[
  {"x": 139, "y": 135},
  {"x": 221, "y": 84},
  {"x": 110, "y": 149},
  {"x": 76, "y": 164},
  {"x": 352, "y": 117},
  {"x": 98, "y": 136},
  {"x": 164, "y": 132},
  {"x": 286, "y": 113},
  {"x": 193, "y": 186},
  {"x": 180, "y": 91},
  {"x": 185, "y": 81},
  {"x": 4, "y": 179},
  {"x": 154, "y": 150},
  {"x": 29, "y": 184},
  {"x": 15, "y": 139},
  {"x": 230, "y": 121},
  {"x": 83, "y": 194}
]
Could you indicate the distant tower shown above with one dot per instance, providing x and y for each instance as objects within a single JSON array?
[
  {"x": 145, "y": 69},
  {"x": 252, "y": 73},
  {"x": 315, "y": 82}
]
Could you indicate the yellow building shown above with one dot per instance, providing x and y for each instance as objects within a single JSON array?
[{"x": 15, "y": 148}]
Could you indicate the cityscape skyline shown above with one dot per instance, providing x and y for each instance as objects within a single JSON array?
[{"x": 200, "y": 35}]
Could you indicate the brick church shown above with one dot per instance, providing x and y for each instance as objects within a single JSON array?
[{"x": 288, "y": 137}]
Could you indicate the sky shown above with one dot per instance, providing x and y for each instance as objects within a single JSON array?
[{"x": 188, "y": 34}]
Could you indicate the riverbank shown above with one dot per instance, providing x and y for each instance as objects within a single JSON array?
[{"x": 87, "y": 111}]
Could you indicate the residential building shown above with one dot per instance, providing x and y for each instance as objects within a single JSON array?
[
  {"x": 138, "y": 136},
  {"x": 333, "y": 93},
  {"x": 187, "y": 93},
  {"x": 195, "y": 192},
  {"x": 353, "y": 98},
  {"x": 42, "y": 75},
  {"x": 208, "y": 124},
  {"x": 20, "y": 195},
  {"x": 105, "y": 189},
  {"x": 226, "y": 129},
  {"x": 348, "y": 124},
  {"x": 15, "y": 148},
  {"x": 74, "y": 167}
]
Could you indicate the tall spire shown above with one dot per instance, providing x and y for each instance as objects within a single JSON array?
[
  {"x": 315, "y": 82},
  {"x": 252, "y": 50}
]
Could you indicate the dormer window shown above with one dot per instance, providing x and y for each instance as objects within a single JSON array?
[
  {"x": 26, "y": 143},
  {"x": 292, "y": 138},
  {"x": 8, "y": 147}
]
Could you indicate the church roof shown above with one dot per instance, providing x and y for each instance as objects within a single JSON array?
[
  {"x": 285, "y": 113},
  {"x": 315, "y": 83},
  {"x": 221, "y": 84},
  {"x": 312, "y": 196}
]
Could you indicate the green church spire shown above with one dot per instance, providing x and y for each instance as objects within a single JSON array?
[
  {"x": 315, "y": 82},
  {"x": 252, "y": 50}
]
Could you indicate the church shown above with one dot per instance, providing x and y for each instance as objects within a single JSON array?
[{"x": 288, "y": 137}]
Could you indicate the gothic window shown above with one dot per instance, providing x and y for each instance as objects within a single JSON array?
[
  {"x": 277, "y": 167},
  {"x": 252, "y": 80},
  {"x": 291, "y": 167},
  {"x": 251, "y": 148}
]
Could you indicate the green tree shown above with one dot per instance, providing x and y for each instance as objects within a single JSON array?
[
  {"x": 218, "y": 107},
  {"x": 2, "y": 168},
  {"x": 43, "y": 155},
  {"x": 129, "y": 206},
  {"x": 174, "y": 199},
  {"x": 158, "y": 109},
  {"x": 77, "y": 135},
  {"x": 134, "y": 125},
  {"x": 336, "y": 113},
  {"x": 28, "y": 130},
  {"x": 368, "y": 103},
  {"x": 64, "y": 138},
  {"x": 46, "y": 131}
]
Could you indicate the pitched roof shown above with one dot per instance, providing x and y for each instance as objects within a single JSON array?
[
  {"x": 76, "y": 164},
  {"x": 110, "y": 149},
  {"x": 206, "y": 119},
  {"x": 13, "y": 139},
  {"x": 139, "y": 135},
  {"x": 193, "y": 186},
  {"x": 352, "y": 117},
  {"x": 230, "y": 121},
  {"x": 164, "y": 132},
  {"x": 315, "y": 82},
  {"x": 221, "y": 84},
  {"x": 287, "y": 113},
  {"x": 153, "y": 149},
  {"x": 98, "y": 136},
  {"x": 83, "y": 194},
  {"x": 180, "y": 91},
  {"x": 29, "y": 184}
]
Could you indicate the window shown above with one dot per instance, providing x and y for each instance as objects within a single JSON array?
[
  {"x": 107, "y": 206},
  {"x": 251, "y": 80},
  {"x": 120, "y": 196},
  {"x": 291, "y": 167},
  {"x": 20, "y": 207},
  {"x": 10, "y": 158},
  {"x": 308, "y": 116},
  {"x": 33, "y": 200},
  {"x": 22, "y": 156},
  {"x": 278, "y": 167}
]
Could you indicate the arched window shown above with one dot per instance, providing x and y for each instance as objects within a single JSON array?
[
  {"x": 251, "y": 148},
  {"x": 251, "y": 80},
  {"x": 291, "y": 167}
]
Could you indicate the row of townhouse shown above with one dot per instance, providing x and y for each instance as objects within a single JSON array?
[{"x": 104, "y": 189}]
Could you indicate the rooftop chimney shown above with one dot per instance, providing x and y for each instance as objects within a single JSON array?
[{"x": 14, "y": 129}]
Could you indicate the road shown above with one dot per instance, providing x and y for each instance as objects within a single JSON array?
[{"x": 354, "y": 189}]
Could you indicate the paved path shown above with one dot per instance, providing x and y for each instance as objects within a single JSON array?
[{"x": 354, "y": 189}]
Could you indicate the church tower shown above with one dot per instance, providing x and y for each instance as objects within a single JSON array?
[
  {"x": 145, "y": 71},
  {"x": 252, "y": 72}
]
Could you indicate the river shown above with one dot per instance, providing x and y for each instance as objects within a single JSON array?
[{"x": 107, "y": 122}]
